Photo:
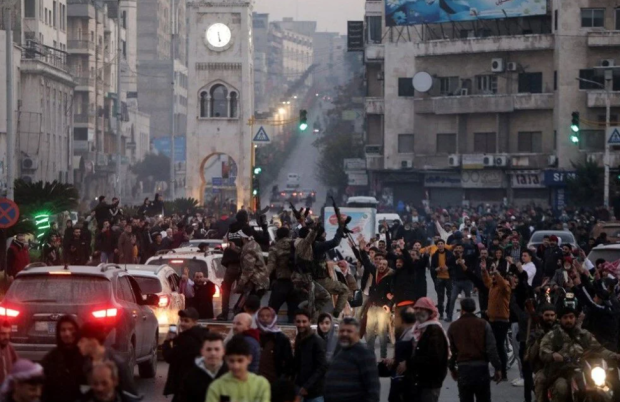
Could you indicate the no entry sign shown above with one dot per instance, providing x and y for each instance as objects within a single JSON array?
[{"x": 9, "y": 213}]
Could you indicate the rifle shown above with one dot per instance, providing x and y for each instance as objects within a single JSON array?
[{"x": 341, "y": 224}]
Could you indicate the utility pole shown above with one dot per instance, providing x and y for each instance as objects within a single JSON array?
[
  {"x": 608, "y": 80},
  {"x": 172, "y": 107},
  {"x": 10, "y": 134},
  {"x": 119, "y": 185}
]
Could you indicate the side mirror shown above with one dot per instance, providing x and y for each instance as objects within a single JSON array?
[{"x": 151, "y": 300}]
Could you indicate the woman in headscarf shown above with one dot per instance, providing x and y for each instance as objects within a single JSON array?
[
  {"x": 276, "y": 352},
  {"x": 327, "y": 331},
  {"x": 427, "y": 367},
  {"x": 23, "y": 383}
]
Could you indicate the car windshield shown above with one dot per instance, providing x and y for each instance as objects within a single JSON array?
[
  {"x": 179, "y": 263},
  {"x": 608, "y": 254},
  {"x": 566, "y": 237},
  {"x": 61, "y": 289},
  {"x": 148, "y": 285}
]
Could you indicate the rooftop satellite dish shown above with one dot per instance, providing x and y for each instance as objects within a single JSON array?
[{"x": 422, "y": 81}]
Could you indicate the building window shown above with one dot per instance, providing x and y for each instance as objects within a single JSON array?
[
  {"x": 405, "y": 87},
  {"x": 484, "y": 143},
  {"x": 405, "y": 143},
  {"x": 486, "y": 84},
  {"x": 555, "y": 20},
  {"x": 592, "y": 140},
  {"x": 233, "y": 104},
  {"x": 219, "y": 101},
  {"x": 46, "y": 15},
  {"x": 446, "y": 143},
  {"x": 530, "y": 142},
  {"x": 54, "y": 15},
  {"x": 617, "y": 19},
  {"x": 590, "y": 75},
  {"x": 373, "y": 25},
  {"x": 204, "y": 104},
  {"x": 124, "y": 19},
  {"x": 530, "y": 83},
  {"x": 448, "y": 85},
  {"x": 29, "y": 9},
  {"x": 592, "y": 17},
  {"x": 124, "y": 49},
  {"x": 555, "y": 80}
]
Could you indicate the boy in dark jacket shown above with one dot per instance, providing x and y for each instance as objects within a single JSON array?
[
  {"x": 206, "y": 369},
  {"x": 180, "y": 351},
  {"x": 310, "y": 363}
]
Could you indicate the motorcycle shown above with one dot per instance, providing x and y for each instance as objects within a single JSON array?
[{"x": 590, "y": 380}]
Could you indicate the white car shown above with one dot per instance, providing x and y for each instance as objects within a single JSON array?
[
  {"x": 163, "y": 281},
  {"x": 608, "y": 252},
  {"x": 293, "y": 180},
  {"x": 209, "y": 264}
]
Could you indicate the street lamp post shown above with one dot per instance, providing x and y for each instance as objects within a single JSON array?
[{"x": 605, "y": 87}]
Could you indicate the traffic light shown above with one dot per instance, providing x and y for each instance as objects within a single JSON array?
[
  {"x": 256, "y": 181},
  {"x": 303, "y": 120},
  {"x": 574, "y": 126}
]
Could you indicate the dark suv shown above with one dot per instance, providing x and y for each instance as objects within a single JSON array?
[{"x": 40, "y": 295}]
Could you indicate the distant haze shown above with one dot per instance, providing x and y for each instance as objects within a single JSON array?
[{"x": 331, "y": 15}]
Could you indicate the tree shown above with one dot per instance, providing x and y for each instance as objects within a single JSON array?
[
  {"x": 51, "y": 198},
  {"x": 155, "y": 166},
  {"x": 586, "y": 188},
  {"x": 182, "y": 206}
]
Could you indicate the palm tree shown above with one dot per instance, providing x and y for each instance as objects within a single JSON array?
[{"x": 51, "y": 198}]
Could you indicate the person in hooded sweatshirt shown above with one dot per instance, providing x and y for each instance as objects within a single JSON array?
[
  {"x": 64, "y": 365},
  {"x": 208, "y": 367},
  {"x": 326, "y": 330},
  {"x": 180, "y": 351},
  {"x": 276, "y": 354}
]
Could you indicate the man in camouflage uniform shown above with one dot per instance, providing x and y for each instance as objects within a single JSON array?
[
  {"x": 254, "y": 275},
  {"x": 317, "y": 296},
  {"x": 547, "y": 320},
  {"x": 280, "y": 260},
  {"x": 562, "y": 347}
]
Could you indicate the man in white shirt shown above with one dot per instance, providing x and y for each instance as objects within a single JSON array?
[{"x": 528, "y": 266}]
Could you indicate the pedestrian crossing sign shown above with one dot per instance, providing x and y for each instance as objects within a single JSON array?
[
  {"x": 614, "y": 136},
  {"x": 261, "y": 136}
]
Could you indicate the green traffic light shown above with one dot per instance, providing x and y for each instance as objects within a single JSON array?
[
  {"x": 255, "y": 192},
  {"x": 575, "y": 128},
  {"x": 258, "y": 170},
  {"x": 574, "y": 139},
  {"x": 303, "y": 126}
]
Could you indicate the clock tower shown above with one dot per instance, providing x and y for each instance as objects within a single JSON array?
[{"x": 220, "y": 102}]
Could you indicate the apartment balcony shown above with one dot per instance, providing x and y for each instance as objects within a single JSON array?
[
  {"x": 604, "y": 39},
  {"x": 82, "y": 9},
  {"x": 494, "y": 103},
  {"x": 599, "y": 158},
  {"x": 84, "y": 118},
  {"x": 80, "y": 47},
  {"x": 375, "y": 106},
  {"x": 48, "y": 62},
  {"x": 494, "y": 44},
  {"x": 374, "y": 53},
  {"x": 529, "y": 160},
  {"x": 597, "y": 98}
]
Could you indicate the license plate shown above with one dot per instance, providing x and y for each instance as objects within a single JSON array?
[{"x": 45, "y": 326}]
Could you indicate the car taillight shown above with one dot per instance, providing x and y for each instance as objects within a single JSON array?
[
  {"x": 111, "y": 312},
  {"x": 164, "y": 301},
  {"x": 7, "y": 312}
]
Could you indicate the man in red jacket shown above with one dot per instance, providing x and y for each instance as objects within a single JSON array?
[{"x": 17, "y": 256}]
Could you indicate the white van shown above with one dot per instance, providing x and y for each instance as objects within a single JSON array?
[{"x": 293, "y": 180}]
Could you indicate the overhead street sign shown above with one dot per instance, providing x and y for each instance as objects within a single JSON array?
[
  {"x": 261, "y": 136},
  {"x": 613, "y": 136},
  {"x": 9, "y": 213}
]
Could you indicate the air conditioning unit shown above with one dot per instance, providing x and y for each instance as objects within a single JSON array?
[
  {"x": 552, "y": 160},
  {"x": 512, "y": 66},
  {"x": 488, "y": 160},
  {"x": 406, "y": 163},
  {"x": 454, "y": 160},
  {"x": 608, "y": 63},
  {"x": 27, "y": 178},
  {"x": 500, "y": 160},
  {"x": 464, "y": 92},
  {"x": 29, "y": 163},
  {"x": 497, "y": 65},
  {"x": 380, "y": 76}
]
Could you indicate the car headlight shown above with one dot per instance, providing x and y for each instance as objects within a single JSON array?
[{"x": 598, "y": 376}]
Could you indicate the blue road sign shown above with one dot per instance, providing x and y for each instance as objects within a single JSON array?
[{"x": 261, "y": 136}]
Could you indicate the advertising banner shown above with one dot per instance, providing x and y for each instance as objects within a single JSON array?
[
  {"x": 415, "y": 12},
  {"x": 162, "y": 145},
  {"x": 527, "y": 179},
  {"x": 362, "y": 223}
]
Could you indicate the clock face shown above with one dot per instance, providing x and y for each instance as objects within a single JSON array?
[{"x": 218, "y": 35}]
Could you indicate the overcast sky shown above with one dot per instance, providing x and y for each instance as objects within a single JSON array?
[{"x": 331, "y": 15}]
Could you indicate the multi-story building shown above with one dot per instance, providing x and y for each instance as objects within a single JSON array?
[
  {"x": 3, "y": 93},
  {"x": 488, "y": 119},
  {"x": 44, "y": 117}
]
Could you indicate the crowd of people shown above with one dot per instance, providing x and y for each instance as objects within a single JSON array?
[{"x": 549, "y": 302}]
